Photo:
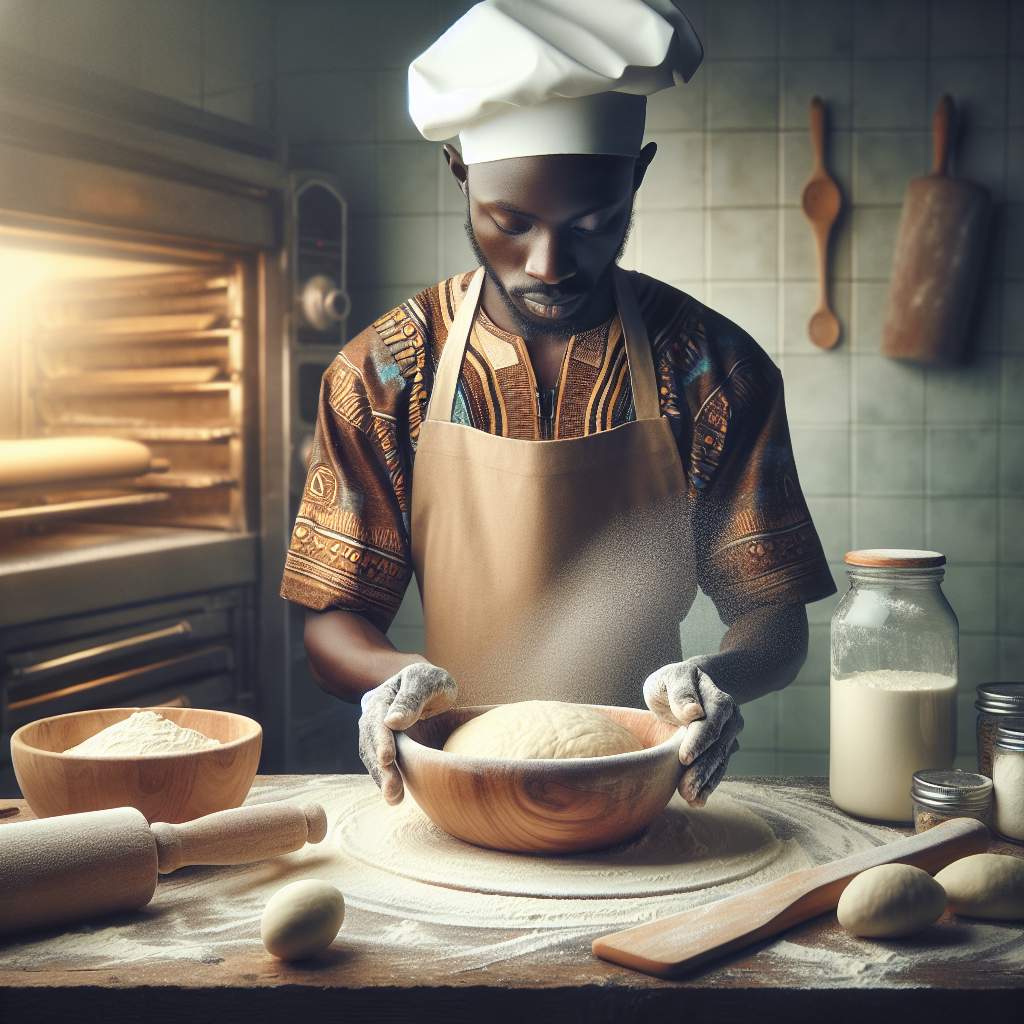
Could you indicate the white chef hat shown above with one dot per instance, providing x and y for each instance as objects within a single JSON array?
[{"x": 529, "y": 77}]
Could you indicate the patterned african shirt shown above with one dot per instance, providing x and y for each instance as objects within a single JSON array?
[{"x": 754, "y": 540}]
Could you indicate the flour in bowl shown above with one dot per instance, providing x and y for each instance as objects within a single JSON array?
[{"x": 144, "y": 732}]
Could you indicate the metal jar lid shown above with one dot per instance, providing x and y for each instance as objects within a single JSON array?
[
  {"x": 950, "y": 788},
  {"x": 1001, "y": 699},
  {"x": 1010, "y": 735}
]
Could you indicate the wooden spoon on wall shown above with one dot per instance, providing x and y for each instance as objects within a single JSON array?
[{"x": 822, "y": 202}]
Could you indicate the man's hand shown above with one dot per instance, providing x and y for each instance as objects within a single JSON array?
[
  {"x": 419, "y": 690},
  {"x": 682, "y": 693}
]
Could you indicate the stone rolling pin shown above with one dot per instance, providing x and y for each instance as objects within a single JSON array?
[{"x": 72, "y": 867}]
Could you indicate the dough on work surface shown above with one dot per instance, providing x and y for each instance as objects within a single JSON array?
[
  {"x": 890, "y": 901},
  {"x": 301, "y": 919},
  {"x": 541, "y": 728},
  {"x": 985, "y": 885}
]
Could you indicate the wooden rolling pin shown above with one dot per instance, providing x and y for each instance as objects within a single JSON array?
[
  {"x": 75, "y": 866},
  {"x": 681, "y": 942},
  {"x": 48, "y": 461}
]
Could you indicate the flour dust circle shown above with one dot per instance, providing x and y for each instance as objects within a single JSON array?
[{"x": 683, "y": 850}]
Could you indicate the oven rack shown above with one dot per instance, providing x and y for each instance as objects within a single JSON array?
[
  {"x": 82, "y": 384},
  {"x": 154, "y": 433},
  {"x": 81, "y": 337},
  {"x": 182, "y": 481},
  {"x": 191, "y": 281},
  {"x": 52, "y": 510}
]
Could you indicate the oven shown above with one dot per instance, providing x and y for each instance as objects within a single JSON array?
[{"x": 157, "y": 265}]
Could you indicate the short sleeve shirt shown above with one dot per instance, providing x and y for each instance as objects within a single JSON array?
[{"x": 755, "y": 543}]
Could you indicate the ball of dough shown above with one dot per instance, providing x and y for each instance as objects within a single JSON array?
[
  {"x": 301, "y": 919},
  {"x": 985, "y": 885},
  {"x": 541, "y": 728},
  {"x": 890, "y": 901}
]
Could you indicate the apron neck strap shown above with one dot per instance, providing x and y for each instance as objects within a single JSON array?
[
  {"x": 442, "y": 396},
  {"x": 638, "y": 351}
]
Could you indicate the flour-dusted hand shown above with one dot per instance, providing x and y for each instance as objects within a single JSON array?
[
  {"x": 683, "y": 693},
  {"x": 419, "y": 690}
]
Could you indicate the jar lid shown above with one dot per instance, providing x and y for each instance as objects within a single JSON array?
[
  {"x": 1010, "y": 734},
  {"x": 895, "y": 558},
  {"x": 1001, "y": 698},
  {"x": 949, "y": 787}
]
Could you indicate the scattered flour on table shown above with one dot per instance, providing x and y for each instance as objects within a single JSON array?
[
  {"x": 144, "y": 732},
  {"x": 204, "y": 915},
  {"x": 865, "y": 963}
]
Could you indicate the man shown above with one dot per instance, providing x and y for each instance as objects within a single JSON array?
[{"x": 561, "y": 451}]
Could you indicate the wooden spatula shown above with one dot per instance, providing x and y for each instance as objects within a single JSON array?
[
  {"x": 822, "y": 202},
  {"x": 676, "y": 944}
]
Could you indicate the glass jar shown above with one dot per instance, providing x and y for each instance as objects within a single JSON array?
[
  {"x": 893, "y": 680},
  {"x": 1008, "y": 779},
  {"x": 939, "y": 795},
  {"x": 995, "y": 703}
]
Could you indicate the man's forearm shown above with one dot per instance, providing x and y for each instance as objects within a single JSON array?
[
  {"x": 349, "y": 655},
  {"x": 762, "y": 651}
]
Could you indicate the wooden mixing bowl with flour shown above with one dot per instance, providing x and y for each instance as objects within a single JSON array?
[
  {"x": 171, "y": 787},
  {"x": 544, "y": 805}
]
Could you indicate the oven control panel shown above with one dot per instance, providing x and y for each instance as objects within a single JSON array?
[{"x": 321, "y": 302}]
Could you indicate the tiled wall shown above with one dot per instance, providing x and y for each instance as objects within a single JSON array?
[
  {"x": 213, "y": 54},
  {"x": 889, "y": 455}
]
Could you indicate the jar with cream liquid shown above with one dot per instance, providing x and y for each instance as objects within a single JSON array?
[{"x": 893, "y": 681}]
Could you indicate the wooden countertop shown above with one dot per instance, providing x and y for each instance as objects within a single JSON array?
[{"x": 371, "y": 973}]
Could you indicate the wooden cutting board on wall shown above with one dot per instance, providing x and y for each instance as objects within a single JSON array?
[{"x": 937, "y": 263}]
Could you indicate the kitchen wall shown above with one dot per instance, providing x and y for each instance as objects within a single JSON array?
[
  {"x": 214, "y": 54},
  {"x": 888, "y": 454}
]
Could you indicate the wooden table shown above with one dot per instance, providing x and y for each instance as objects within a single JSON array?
[{"x": 368, "y": 976}]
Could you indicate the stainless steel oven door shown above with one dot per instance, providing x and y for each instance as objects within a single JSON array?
[{"x": 189, "y": 650}]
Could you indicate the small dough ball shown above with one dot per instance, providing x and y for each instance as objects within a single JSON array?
[
  {"x": 541, "y": 728},
  {"x": 889, "y": 901},
  {"x": 302, "y": 919},
  {"x": 985, "y": 885}
]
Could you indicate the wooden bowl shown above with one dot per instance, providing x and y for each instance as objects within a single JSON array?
[
  {"x": 164, "y": 787},
  {"x": 545, "y": 805}
]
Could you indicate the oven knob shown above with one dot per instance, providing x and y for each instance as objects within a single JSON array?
[{"x": 322, "y": 303}]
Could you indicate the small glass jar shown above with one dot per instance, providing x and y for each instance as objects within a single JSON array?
[
  {"x": 893, "y": 681},
  {"x": 1008, "y": 779},
  {"x": 941, "y": 794},
  {"x": 995, "y": 703}
]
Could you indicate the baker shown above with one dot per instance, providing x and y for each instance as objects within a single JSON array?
[{"x": 561, "y": 451}]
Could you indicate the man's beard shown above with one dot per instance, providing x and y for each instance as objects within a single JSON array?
[{"x": 532, "y": 326}]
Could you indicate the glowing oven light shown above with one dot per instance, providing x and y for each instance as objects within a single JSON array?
[{"x": 20, "y": 272}]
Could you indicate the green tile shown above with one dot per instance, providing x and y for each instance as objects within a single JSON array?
[
  {"x": 803, "y": 719},
  {"x": 815, "y": 669},
  {"x": 962, "y": 461},
  {"x": 802, "y": 764},
  {"x": 747, "y": 763}
]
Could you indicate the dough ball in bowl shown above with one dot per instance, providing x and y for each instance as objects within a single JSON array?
[
  {"x": 541, "y": 728},
  {"x": 530, "y": 785}
]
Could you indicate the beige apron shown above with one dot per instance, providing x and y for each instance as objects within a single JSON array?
[{"x": 553, "y": 569}]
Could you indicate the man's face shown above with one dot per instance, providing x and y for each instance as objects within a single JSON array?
[{"x": 548, "y": 231}]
